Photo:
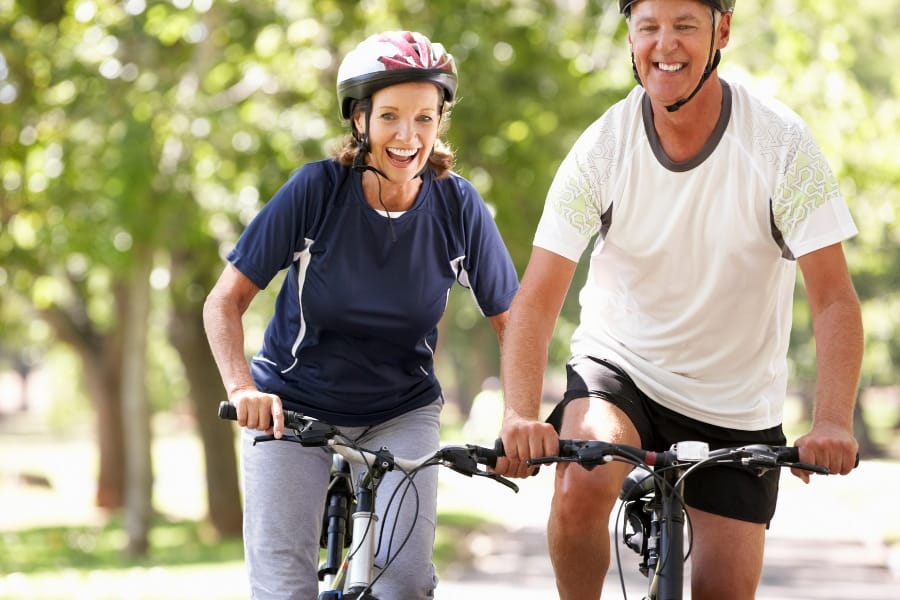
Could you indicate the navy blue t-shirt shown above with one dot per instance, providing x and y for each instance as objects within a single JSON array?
[{"x": 353, "y": 335}]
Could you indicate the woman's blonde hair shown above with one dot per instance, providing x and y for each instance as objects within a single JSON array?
[{"x": 440, "y": 162}]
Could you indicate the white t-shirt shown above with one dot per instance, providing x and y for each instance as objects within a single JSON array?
[{"x": 690, "y": 285}]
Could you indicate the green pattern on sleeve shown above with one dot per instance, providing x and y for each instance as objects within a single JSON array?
[
  {"x": 575, "y": 192},
  {"x": 808, "y": 183}
]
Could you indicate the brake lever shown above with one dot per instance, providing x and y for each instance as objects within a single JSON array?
[
  {"x": 498, "y": 479},
  {"x": 808, "y": 467},
  {"x": 463, "y": 462},
  {"x": 269, "y": 437}
]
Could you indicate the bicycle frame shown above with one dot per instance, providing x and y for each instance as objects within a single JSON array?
[
  {"x": 663, "y": 549},
  {"x": 653, "y": 495},
  {"x": 340, "y": 503},
  {"x": 355, "y": 579},
  {"x": 340, "y": 499},
  {"x": 361, "y": 555},
  {"x": 349, "y": 577}
]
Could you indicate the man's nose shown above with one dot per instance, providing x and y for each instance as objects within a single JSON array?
[{"x": 666, "y": 39}]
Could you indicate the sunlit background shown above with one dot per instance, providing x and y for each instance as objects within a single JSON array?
[{"x": 138, "y": 137}]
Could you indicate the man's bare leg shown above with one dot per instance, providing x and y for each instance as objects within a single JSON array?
[{"x": 578, "y": 529}]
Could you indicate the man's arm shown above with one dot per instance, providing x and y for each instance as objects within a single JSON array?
[
  {"x": 837, "y": 326},
  {"x": 532, "y": 318}
]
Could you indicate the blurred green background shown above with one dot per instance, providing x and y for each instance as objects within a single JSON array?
[{"x": 138, "y": 137}]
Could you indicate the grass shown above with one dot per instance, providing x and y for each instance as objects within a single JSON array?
[
  {"x": 183, "y": 562},
  {"x": 102, "y": 547}
]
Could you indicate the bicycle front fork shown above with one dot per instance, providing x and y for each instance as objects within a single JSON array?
[
  {"x": 361, "y": 555},
  {"x": 666, "y": 560}
]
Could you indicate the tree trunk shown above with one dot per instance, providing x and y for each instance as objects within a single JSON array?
[
  {"x": 101, "y": 360},
  {"x": 136, "y": 413},
  {"x": 193, "y": 274},
  {"x": 102, "y": 379},
  {"x": 223, "y": 489}
]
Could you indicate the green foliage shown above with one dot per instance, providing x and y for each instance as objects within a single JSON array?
[
  {"x": 168, "y": 124},
  {"x": 826, "y": 62}
]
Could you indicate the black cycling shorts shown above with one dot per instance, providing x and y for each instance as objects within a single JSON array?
[{"x": 728, "y": 490}]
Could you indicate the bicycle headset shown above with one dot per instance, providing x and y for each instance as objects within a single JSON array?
[
  {"x": 385, "y": 59},
  {"x": 714, "y": 55}
]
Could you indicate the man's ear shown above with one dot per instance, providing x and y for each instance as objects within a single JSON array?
[{"x": 724, "y": 30}]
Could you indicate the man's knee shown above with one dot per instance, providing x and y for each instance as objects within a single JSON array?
[{"x": 583, "y": 499}]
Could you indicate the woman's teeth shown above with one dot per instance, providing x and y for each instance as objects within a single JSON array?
[{"x": 403, "y": 152}]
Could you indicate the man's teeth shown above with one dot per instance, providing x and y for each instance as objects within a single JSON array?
[
  {"x": 407, "y": 152},
  {"x": 672, "y": 67}
]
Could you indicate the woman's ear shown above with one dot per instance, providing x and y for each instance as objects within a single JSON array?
[{"x": 358, "y": 126}]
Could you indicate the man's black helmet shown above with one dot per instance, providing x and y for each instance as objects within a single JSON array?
[
  {"x": 393, "y": 57},
  {"x": 720, "y": 5}
]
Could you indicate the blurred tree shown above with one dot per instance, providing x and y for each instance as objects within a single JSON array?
[
  {"x": 138, "y": 137},
  {"x": 824, "y": 60}
]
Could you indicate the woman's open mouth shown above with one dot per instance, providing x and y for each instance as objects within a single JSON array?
[{"x": 402, "y": 156}]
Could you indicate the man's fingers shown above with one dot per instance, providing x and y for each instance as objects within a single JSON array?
[{"x": 801, "y": 474}]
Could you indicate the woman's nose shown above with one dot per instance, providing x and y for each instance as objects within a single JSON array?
[{"x": 405, "y": 130}]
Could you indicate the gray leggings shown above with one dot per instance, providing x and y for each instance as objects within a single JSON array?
[{"x": 284, "y": 498}]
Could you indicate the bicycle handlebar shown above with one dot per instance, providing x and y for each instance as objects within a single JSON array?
[
  {"x": 311, "y": 432},
  {"x": 591, "y": 453}
]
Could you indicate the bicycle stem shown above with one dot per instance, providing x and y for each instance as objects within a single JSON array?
[
  {"x": 668, "y": 575},
  {"x": 364, "y": 526}
]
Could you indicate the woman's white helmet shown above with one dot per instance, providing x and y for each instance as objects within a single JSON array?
[{"x": 393, "y": 57}]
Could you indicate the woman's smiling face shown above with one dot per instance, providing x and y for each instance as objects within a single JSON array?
[{"x": 403, "y": 128}]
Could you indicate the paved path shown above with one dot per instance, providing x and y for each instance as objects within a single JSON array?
[{"x": 825, "y": 543}]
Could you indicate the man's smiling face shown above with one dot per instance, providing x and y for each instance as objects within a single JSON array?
[{"x": 670, "y": 40}]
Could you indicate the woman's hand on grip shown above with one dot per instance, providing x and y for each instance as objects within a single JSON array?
[{"x": 258, "y": 410}]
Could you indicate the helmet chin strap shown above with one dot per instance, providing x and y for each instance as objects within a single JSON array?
[
  {"x": 712, "y": 62},
  {"x": 710, "y": 67},
  {"x": 362, "y": 148},
  {"x": 360, "y": 166}
]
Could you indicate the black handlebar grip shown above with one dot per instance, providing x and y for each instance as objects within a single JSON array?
[
  {"x": 485, "y": 456},
  {"x": 499, "y": 450},
  {"x": 791, "y": 454},
  {"x": 227, "y": 410},
  {"x": 498, "y": 447}
]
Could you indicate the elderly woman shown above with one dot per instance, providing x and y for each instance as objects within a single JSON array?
[{"x": 373, "y": 239}]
